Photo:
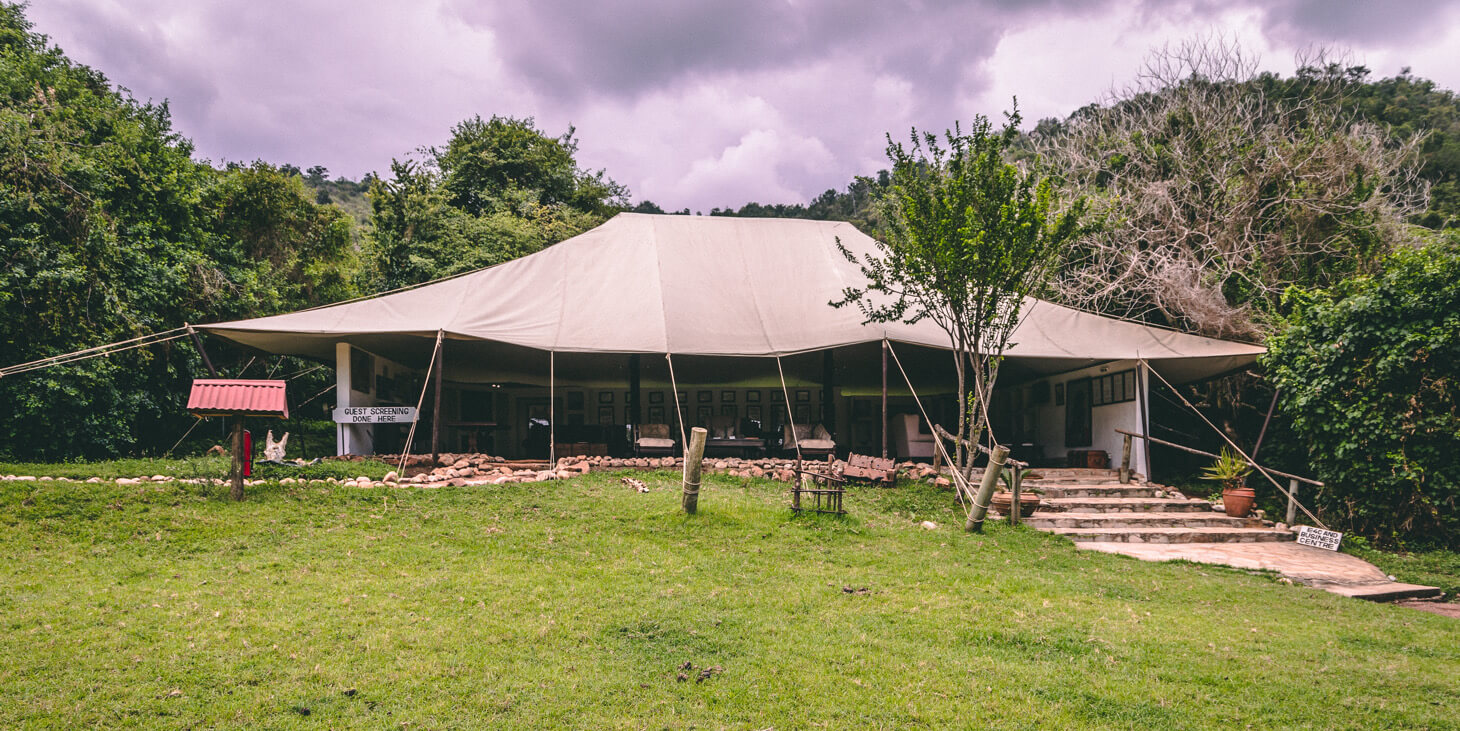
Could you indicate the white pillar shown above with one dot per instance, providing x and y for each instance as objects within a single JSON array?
[
  {"x": 350, "y": 438},
  {"x": 342, "y": 396}
]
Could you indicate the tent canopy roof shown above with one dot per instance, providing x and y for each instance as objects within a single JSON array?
[{"x": 695, "y": 285}]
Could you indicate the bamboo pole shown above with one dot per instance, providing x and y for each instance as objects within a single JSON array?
[
  {"x": 694, "y": 454},
  {"x": 986, "y": 489}
]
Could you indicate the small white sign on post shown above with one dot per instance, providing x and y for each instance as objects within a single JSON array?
[
  {"x": 375, "y": 414},
  {"x": 1319, "y": 538}
]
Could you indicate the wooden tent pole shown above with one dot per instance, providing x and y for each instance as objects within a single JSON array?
[
  {"x": 436, "y": 408},
  {"x": 634, "y": 410},
  {"x": 883, "y": 428},
  {"x": 828, "y": 392}
]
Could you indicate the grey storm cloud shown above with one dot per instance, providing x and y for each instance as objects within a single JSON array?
[
  {"x": 688, "y": 103},
  {"x": 575, "y": 48},
  {"x": 1357, "y": 21}
]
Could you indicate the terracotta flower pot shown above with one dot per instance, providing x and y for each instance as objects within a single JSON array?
[
  {"x": 1237, "y": 501},
  {"x": 1003, "y": 500}
]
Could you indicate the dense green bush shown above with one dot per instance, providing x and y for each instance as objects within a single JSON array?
[{"x": 1370, "y": 375}]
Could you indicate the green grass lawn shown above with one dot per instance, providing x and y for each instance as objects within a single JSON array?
[
  {"x": 577, "y": 603},
  {"x": 210, "y": 466}
]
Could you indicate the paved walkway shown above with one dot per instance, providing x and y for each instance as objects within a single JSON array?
[{"x": 1331, "y": 571}]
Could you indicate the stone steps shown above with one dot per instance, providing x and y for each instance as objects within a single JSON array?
[
  {"x": 1124, "y": 505},
  {"x": 1092, "y": 506},
  {"x": 1199, "y": 534},
  {"x": 1098, "y": 490},
  {"x": 1072, "y": 519}
]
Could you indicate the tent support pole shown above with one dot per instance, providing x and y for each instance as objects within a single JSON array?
[
  {"x": 883, "y": 429},
  {"x": 436, "y": 408},
  {"x": 208, "y": 362},
  {"x": 552, "y": 410},
  {"x": 828, "y": 392},
  {"x": 1143, "y": 387},
  {"x": 634, "y": 411}
]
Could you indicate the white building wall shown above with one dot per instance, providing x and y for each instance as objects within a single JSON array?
[{"x": 1104, "y": 420}]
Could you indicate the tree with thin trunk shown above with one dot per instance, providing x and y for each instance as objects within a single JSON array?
[{"x": 967, "y": 241}]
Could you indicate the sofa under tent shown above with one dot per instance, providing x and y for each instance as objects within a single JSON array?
[{"x": 647, "y": 317}]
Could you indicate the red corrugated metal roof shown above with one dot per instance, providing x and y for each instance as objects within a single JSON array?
[{"x": 231, "y": 396}]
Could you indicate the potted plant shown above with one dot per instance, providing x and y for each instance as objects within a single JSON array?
[{"x": 1231, "y": 471}]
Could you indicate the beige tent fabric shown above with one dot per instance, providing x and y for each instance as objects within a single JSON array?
[{"x": 693, "y": 285}]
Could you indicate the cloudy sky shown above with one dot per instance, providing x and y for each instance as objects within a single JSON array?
[{"x": 691, "y": 104}]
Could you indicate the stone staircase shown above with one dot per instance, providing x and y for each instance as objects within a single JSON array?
[{"x": 1092, "y": 506}]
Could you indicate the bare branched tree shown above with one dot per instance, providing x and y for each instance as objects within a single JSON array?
[{"x": 1219, "y": 187}]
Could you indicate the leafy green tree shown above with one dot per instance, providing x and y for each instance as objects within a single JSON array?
[
  {"x": 109, "y": 229},
  {"x": 1370, "y": 377},
  {"x": 499, "y": 189},
  {"x": 967, "y": 239}
]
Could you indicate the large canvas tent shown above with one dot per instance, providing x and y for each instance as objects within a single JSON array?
[
  {"x": 714, "y": 290},
  {"x": 695, "y": 285}
]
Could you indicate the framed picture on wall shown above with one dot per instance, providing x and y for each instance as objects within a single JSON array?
[
  {"x": 729, "y": 410},
  {"x": 803, "y": 396},
  {"x": 727, "y": 397},
  {"x": 752, "y": 412},
  {"x": 803, "y": 413},
  {"x": 778, "y": 396},
  {"x": 605, "y": 415},
  {"x": 656, "y": 397},
  {"x": 752, "y": 397},
  {"x": 703, "y": 415},
  {"x": 656, "y": 414},
  {"x": 704, "y": 397},
  {"x": 1059, "y": 394},
  {"x": 628, "y": 414},
  {"x": 605, "y": 397}
]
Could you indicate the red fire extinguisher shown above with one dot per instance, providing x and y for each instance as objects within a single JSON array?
[{"x": 247, "y": 453}]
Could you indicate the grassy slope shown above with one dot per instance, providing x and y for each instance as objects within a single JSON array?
[{"x": 572, "y": 604}]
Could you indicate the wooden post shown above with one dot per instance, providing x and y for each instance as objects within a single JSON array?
[
  {"x": 1292, "y": 501},
  {"x": 828, "y": 393},
  {"x": 436, "y": 409},
  {"x": 198, "y": 343},
  {"x": 1015, "y": 479},
  {"x": 692, "y": 458},
  {"x": 1143, "y": 389},
  {"x": 235, "y": 474},
  {"x": 986, "y": 489},
  {"x": 634, "y": 412},
  {"x": 883, "y": 428},
  {"x": 1125, "y": 460}
]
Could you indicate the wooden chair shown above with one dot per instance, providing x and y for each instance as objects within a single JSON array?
[
  {"x": 815, "y": 441},
  {"x": 654, "y": 440}
]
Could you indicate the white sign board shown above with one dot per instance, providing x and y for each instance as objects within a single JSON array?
[
  {"x": 1319, "y": 538},
  {"x": 375, "y": 414}
]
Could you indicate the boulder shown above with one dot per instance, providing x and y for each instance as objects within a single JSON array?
[{"x": 391, "y": 476}]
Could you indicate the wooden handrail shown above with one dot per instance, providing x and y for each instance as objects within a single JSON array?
[
  {"x": 1174, "y": 445},
  {"x": 944, "y": 433}
]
